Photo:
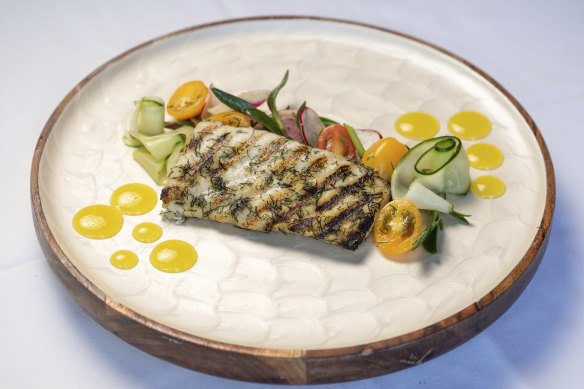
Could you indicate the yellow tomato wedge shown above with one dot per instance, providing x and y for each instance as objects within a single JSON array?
[
  {"x": 383, "y": 156},
  {"x": 234, "y": 119},
  {"x": 187, "y": 101},
  {"x": 397, "y": 227}
]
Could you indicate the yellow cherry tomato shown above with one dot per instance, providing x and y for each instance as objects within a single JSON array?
[
  {"x": 187, "y": 101},
  {"x": 397, "y": 227},
  {"x": 383, "y": 156},
  {"x": 234, "y": 119}
]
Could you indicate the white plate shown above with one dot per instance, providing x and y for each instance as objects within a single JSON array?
[{"x": 283, "y": 292}]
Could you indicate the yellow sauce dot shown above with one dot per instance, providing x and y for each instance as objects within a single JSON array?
[
  {"x": 470, "y": 125},
  {"x": 98, "y": 221},
  {"x": 134, "y": 199},
  {"x": 488, "y": 187},
  {"x": 147, "y": 232},
  {"x": 417, "y": 125},
  {"x": 124, "y": 259},
  {"x": 173, "y": 256},
  {"x": 484, "y": 156}
]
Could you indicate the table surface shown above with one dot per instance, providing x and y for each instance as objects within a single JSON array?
[{"x": 534, "y": 49}]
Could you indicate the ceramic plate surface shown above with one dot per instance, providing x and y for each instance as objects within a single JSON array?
[{"x": 271, "y": 290}]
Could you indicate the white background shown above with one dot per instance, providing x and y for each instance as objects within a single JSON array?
[{"x": 535, "y": 49}]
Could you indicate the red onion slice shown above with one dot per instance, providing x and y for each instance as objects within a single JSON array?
[{"x": 368, "y": 136}]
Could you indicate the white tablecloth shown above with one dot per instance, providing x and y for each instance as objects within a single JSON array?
[{"x": 535, "y": 49}]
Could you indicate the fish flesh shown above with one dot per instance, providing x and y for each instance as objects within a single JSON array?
[{"x": 261, "y": 181}]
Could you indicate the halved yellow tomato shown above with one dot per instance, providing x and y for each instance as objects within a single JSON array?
[
  {"x": 188, "y": 100},
  {"x": 397, "y": 227},
  {"x": 383, "y": 156},
  {"x": 232, "y": 118}
]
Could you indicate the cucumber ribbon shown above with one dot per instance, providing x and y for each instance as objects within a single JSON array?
[{"x": 430, "y": 170}]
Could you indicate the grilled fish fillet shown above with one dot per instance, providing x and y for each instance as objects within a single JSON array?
[{"x": 260, "y": 181}]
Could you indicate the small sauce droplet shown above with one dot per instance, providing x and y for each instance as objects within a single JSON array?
[
  {"x": 124, "y": 259},
  {"x": 134, "y": 199},
  {"x": 173, "y": 256},
  {"x": 417, "y": 125},
  {"x": 488, "y": 187},
  {"x": 484, "y": 156},
  {"x": 470, "y": 125},
  {"x": 98, "y": 221},
  {"x": 147, "y": 232}
]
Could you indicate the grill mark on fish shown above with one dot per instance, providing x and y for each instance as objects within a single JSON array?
[
  {"x": 205, "y": 157},
  {"x": 340, "y": 174},
  {"x": 335, "y": 222},
  {"x": 356, "y": 236},
  {"x": 270, "y": 149},
  {"x": 316, "y": 165},
  {"x": 289, "y": 160},
  {"x": 280, "y": 213},
  {"x": 239, "y": 151},
  {"x": 343, "y": 193},
  {"x": 239, "y": 205},
  {"x": 303, "y": 225},
  {"x": 194, "y": 144},
  {"x": 312, "y": 192}
]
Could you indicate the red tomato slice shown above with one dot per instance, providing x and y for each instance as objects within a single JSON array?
[{"x": 335, "y": 138}]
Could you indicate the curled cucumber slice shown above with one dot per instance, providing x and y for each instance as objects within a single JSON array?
[
  {"x": 148, "y": 116},
  {"x": 432, "y": 167}
]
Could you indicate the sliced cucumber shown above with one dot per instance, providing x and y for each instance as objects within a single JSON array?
[
  {"x": 149, "y": 116},
  {"x": 160, "y": 146},
  {"x": 130, "y": 141},
  {"x": 155, "y": 168},
  {"x": 424, "y": 198},
  {"x": 444, "y": 167},
  {"x": 432, "y": 167},
  {"x": 158, "y": 153}
]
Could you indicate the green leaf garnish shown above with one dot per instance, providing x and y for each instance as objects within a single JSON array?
[
  {"x": 429, "y": 235},
  {"x": 240, "y": 105},
  {"x": 355, "y": 139},
  {"x": 327, "y": 122},
  {"x": 460, "y": 216},
  {"x": 272, "y": 102}
]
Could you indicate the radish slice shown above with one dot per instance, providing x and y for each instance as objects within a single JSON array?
[
  {"x": 368, "y": 137},
  {"x": 211, "y": 102},
  {"x": 310, "y": 126},
  {"x": 288, "y": 118},
  {"x": 255, "y": 97}
]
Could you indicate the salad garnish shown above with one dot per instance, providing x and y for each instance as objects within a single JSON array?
[{"x": 420, "y": 177}]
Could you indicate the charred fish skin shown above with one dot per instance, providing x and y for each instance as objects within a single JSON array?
[{"x": 261, "y": 181}]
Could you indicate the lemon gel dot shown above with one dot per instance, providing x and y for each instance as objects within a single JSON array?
[
  {"x": 124, "y": 259},
  {"x": 173, "y": 256},
  {"x": 417, "y": 125},
  {"x": 488, "y": 187},
  {"x": 470, "y": 125}
]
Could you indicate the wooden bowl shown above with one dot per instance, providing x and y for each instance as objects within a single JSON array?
[{"x": 332, "y": 362}]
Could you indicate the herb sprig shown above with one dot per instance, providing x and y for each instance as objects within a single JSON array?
[{"x": 429, "y": 236}]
